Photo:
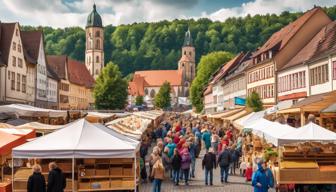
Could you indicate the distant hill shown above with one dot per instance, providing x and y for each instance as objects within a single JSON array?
[{"x": 157, "y": 45}]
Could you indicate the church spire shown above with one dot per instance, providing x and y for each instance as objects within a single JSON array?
[{"x": 188, "y": 39}]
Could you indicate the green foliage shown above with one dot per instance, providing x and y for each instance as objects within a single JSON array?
[
  {"x": 254, "y": 102},
  {"x": 162, "y": 99},
  {"x": 269, "y": 153},
  {"x": 110, "y": 91},
  {"x": 206, "y": 67},
  {"x": 139, "y": 100}
]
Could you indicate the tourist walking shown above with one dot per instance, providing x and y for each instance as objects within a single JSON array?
[
  {"x": 176, "y": 166},
  {"x": 36, "y": 182},
  {"x": 192, "y": 150},
  {"x": 157, "y": 175},
  {"x": 207, "y": 139},
  {"x": 234, "y": 160},
  {"x": 56, "y": 179},
  {"x": 224, "y": 160},
  {"x": 259, "y": 179},
  {"x": 214, "y": 142},
  {"x": 185, "y": 164},
  {"x": 208, "y": 164},
  {"x": 171, "y": 146},
  {"x": 166, "y": 162}
]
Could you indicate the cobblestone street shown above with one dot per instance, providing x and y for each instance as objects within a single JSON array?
[{"x": 236, "y": 183}]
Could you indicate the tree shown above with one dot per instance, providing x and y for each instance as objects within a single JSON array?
[
  {"x": 254, "y": 102},
  {"x": 139, "y": 100},
  {"x": 110, "y": 91},
  {"x": 206, "y": 67},
  {"x": 162, "y": 99}
]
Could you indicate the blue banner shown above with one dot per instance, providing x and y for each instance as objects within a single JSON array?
[{"x": 239, "y": 101}]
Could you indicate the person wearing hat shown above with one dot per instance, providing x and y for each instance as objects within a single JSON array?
[{"x": 209, "y": 163}]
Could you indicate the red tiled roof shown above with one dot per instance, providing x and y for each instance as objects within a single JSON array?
[
  {"x": 155, "y": 78},
  {"x": 282, "y": 37},
  {"x": 322, "y": 42},
  {"x": 57, "y": 63},
  {"x": 227, "y": 66},
  {"x": 7, "y": 32},
  {"x": 79, "y": 74},
  {"x": 31, "y": 44},
  {"x": 136, "y": 86}
]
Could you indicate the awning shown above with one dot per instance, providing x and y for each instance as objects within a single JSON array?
[
  {"x": 223, "y": 114},
  {"x": 80, "y": 139},
  {"x": 40, "y": 127},
  {"x": 249, "y": 118},
  {"x": 290, "y": 110},
  {"x": 236, "y": 116},
  {"x": 26, "y": 133},
  {"x": 31, "y": 111},
  {"x": 330, "y": 109}
]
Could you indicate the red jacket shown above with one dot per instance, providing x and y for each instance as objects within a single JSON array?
[
  {"x": 177, "y": 128},
  {"x": 176, "y": 139},
  {"x": 248, "y": 174},
  {"x": 229, "y": 134}
]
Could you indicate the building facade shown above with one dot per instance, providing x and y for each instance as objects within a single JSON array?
[
  {"x": 52, "y": 93},
  {"x": 279, "y": 49},
  {"x": 94, "y": 49}
]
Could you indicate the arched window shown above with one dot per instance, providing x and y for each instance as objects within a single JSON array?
[
  {"x": 152, "y": 93},
  {"x": 185, "y": 52},
  {"x": 97, "y": 59},
  {"x": 146, "y": 91},
  {"x": 97, "y": 33},
  {"x": 97, "y": 44},
  {"x": 190, "y": 53}
]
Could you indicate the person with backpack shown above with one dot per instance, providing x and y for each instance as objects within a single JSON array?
[
  {"x": 185, "y": 163},
  {"x": 158, "y": 175},
  {"x": 209, "y": 163},
  {"x": 176, "y": 166},
  {"x": 224, "y": 160}
]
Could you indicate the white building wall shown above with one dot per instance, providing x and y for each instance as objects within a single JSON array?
[
  {"x": 41, "y": 75},
  {"x": 292, "y": 71},
  {"x": 52, "y": 90},
  {"x": 327, "y": 86}
]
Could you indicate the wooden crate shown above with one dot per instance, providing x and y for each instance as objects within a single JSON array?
[
  {"x": 102, "y": 172},
  {"x": 90, "y": 172},
  {"x": 127, "y": 171},
  {"x": 128, "y": 183},
  {"x": 116, "y": 171},
  {"x": 20, "y": 184},
  {"x": 89, "y": 161},
  {"x": 84, "y": 185},
  {"x": 116, "y": 183}
]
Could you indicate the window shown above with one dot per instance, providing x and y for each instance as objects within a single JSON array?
[
  {"x": 190, "y": 53},
  {"x": 8, "y": 75},
  {"x": 19, "y": 48},
  {"x": 98, "y": 34},
  {"x": 20, "y": 62},
  {"x": 18, "y": 84},
  {"x": 152, "y": 93},
  {"x": 97, "y": 44},
  {"x": 14, "y": 46},
  {"x": 14, "y": 61},
  {"x": 13, "y": 81},
  {"x": 319, "y": 75},
  {"x": 24, "y": 82},
  {"x": 97, "y": 59}
]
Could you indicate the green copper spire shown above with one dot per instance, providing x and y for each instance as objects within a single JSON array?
[
  {"x": 188, "y": 39},
  {"x": 94, "y": 19}
]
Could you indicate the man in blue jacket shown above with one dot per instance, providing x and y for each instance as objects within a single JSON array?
[
  {"x": 207, "y": 140},
  {"x": 262, "y": 179}
]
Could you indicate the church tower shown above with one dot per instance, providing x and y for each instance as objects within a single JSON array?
[
  {"x": 94, "y": 50},
  {"x": 187, "y": 62}
]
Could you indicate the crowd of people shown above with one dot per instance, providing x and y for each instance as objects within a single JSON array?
[{"x": 179, "y": 140}]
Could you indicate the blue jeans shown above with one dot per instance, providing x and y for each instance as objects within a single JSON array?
[
  {"x": 224, "y": 170},
  {"x": 157, "y": 185},
  {"x": 207, "y": 173},
  {"x": 193, "y": 164},
  {"x": 176, "y": 176}
]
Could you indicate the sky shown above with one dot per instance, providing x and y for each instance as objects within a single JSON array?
[{"x": 65, "y": 13}]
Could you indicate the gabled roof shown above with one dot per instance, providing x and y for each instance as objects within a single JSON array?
[
  {"x": 7, "y": 32},
  {"x": 155, "y": 78},
  {"x": 219, "y": 74},
  {"x": 238, "y": 69},
  {"x": 31, "y": 45},
  {"x": 79, "y": 74},
  {"x": 136, "y": 86},
  {"x": 51, "y": 73},
  {"x": 280, "y": 39},
  {"x": 57, "y": 63}
]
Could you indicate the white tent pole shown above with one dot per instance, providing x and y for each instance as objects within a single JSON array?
[
  {"x": 12, "y": 173},
  {"x": 135, "y": 173},
  {"x": 73, "y": 174}
]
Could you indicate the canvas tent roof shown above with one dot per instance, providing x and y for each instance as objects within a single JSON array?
[
  {"x": 27, "y": 133},
  {"x": 249, "y": 118},
  {"x": 259, "y": 126},
  {"x": 39, "y": 126},
  {"x": 27, "y": 110},
  {"x": 274, "y": 134},
  {"x": 309, "y": 132},
  {"x": 330, "y": 109},
  {"x": 80, "y": 139},
  {"x": 9, "y": 141}
]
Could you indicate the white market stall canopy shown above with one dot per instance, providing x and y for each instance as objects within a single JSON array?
[
  {"x": 80, "y": 139},
  {"x": 309, "y": 132},
  {"x": 27, "y": 110},
  {"x": 40, "y": 126}
]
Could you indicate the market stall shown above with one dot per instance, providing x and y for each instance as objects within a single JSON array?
[
  {"x": 248, "y": 119},
  {"x": 230, "y": 119},
  {"x": 217, "y": 118},
  {"x": 40, "y": 128},
  {"x": 97, "y": 117},
  {"x": 26, "y": 133},
  {"x": 49, "y": 116},
  {"x": 97, "y": 160}
]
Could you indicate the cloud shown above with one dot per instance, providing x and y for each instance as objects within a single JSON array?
[
  {"x": 63, "y": 13},
  {"x": 264, "y": 7}
]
